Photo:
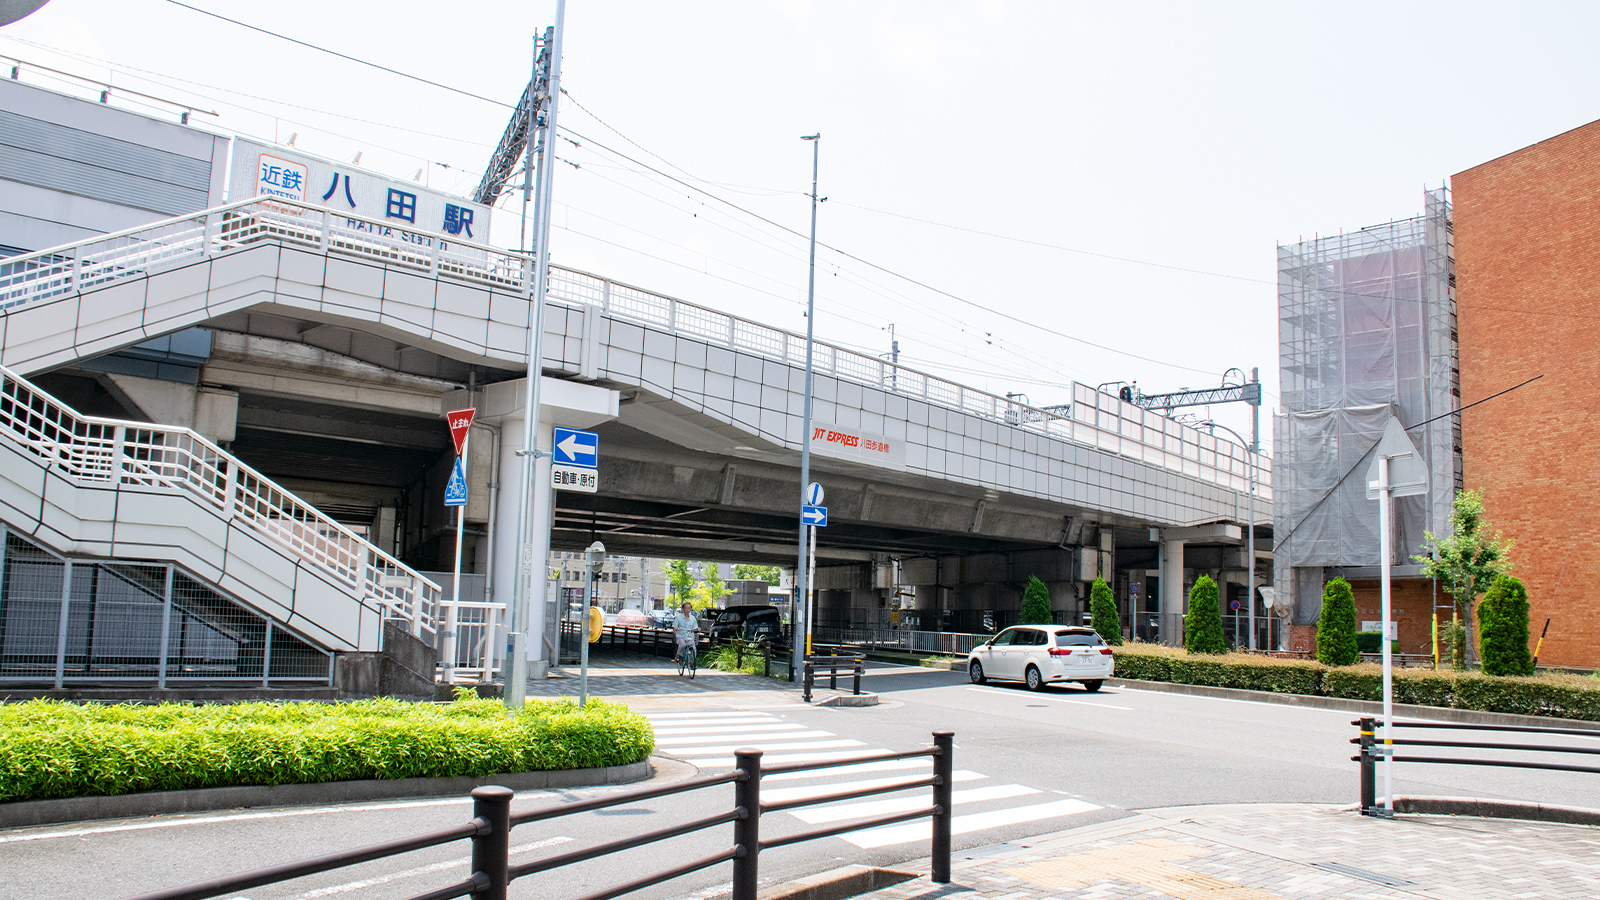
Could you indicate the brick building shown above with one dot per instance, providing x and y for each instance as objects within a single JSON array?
[{"x": 1528, "y": 270}]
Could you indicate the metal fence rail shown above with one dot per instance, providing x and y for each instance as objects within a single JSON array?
[
  {"x": 490, "y": 832},
  {"x": 137, "y": 454},
  {"x": 1093, "y": 418},
  {"x": 1371, "y": 751}
]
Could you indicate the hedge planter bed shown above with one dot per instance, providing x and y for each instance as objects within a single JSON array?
[
  {"x": 1559, "y": 696},
  {"x": 54, "y": 749}
]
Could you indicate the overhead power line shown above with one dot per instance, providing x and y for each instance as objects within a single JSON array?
[
  {"x": 344, "y": 56},
  {"x": 887, "y": 271}
]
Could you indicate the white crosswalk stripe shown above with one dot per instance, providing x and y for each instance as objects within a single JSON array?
[
  {"x": 741, "y": 739},
  {"x": 709, "y": 740}
]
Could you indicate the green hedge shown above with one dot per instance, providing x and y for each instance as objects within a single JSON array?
[
  {"x": 55, "y": 749},
  {"x": 1561, "y": 696}
]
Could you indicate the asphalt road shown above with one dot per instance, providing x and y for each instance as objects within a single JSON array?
[{"x": 1028, "y": 763}]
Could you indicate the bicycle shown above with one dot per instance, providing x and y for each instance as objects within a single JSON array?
[{"x": 688, "y": 661}]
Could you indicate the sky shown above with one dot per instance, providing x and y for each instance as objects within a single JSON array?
[{"x": 1031, "y": 193}]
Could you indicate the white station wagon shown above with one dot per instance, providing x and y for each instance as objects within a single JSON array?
[{"x": 1042, "y": 654}]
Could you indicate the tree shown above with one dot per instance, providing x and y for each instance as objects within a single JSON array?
[
  {"x": 1503, "y": 628},
  {"x": 710, "y": 590},
  {"x": 1103, "y": 612},
  {"x": 1336, "y": 627},
  {"x": 1202, "y": 624},
  {"x": 1035, "y": 604},
  {"x": 747, "y": 572},
  {"x": 1467, "y": 561},
  {"x": 679, "y": 580}
]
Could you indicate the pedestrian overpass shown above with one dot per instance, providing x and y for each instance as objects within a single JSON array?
[{"x": 699, "y": 413}]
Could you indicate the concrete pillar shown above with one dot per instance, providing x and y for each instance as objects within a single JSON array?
[
  {"x": 563, "y": 403},
  {"x": 1172, "y": 602}
]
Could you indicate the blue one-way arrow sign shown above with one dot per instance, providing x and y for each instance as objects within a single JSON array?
[
  {"x": 576, "y": 448},
  {"x": 814, "y": 515}
]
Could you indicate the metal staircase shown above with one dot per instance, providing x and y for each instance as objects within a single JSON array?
[{"x": 102, "y": 489}]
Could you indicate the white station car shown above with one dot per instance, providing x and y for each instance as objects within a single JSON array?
[{"x": 1042, "y": 654}]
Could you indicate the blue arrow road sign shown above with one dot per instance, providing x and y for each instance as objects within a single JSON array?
[
  {"x": 455, "y": 493},
  {"x": 576, "y": 448},
  {"x": 814, "y": 515}
]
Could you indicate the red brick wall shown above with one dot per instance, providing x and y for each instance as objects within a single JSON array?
[
  {"x": 1527, "y": 229},
  {"x": 1410, "y": 602}
]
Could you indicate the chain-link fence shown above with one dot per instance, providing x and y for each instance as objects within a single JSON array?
[{"x": 66, "y": 620}]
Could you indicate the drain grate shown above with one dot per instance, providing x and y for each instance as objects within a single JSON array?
[{"x": 1353, "y": 872}]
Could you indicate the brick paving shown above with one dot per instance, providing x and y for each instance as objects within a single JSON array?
[{"x": 1277, "y": 852}]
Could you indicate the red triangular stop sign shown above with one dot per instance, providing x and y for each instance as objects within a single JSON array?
[{"x": 460, "y": 420}]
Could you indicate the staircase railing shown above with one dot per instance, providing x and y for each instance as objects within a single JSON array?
[{"x": 138, "y": 454}]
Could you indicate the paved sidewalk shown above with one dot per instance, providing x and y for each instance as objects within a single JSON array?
[
  {"x": 1272, "y": 851},
  {"x": 638, "y": 675}
]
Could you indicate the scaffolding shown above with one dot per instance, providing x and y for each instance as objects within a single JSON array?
[{"x": 1366, "y": 329}]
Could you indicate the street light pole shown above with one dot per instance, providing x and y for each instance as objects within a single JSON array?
[
  {"x": 802, "y": 630},
  {"x": 1250, "y": 452}
]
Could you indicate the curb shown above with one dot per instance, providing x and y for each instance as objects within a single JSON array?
[
  {"x": 26, "y": 813},
  {"x": 1366, "y": 707},
  {"x": 1497, "y": 809},
  {"x": 836, "y": 884}
]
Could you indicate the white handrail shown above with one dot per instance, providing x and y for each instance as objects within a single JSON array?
[
  {"x": 1092, "y": 419},
  {"x": 140, "y": 454}
]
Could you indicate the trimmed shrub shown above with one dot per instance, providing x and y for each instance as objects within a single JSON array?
[
  {"x": 1103, "y": 613},
  {"x": 1035, "y": 604},
  {"x": 1561, "y": 696},
  {"x": 56, "y": 749},
  {"x": 1152, "y": 662},
  {"x": 1336, "y": 628},
  {"x": 1202, "y": 624},
  {"x": 1369, "y": 642},
  {"x": 1503, "y": 628}
]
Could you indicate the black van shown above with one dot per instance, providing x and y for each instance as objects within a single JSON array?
[{"x": 753, "y": 623}]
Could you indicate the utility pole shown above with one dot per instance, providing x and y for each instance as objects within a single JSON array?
[
  {"x": 802, "y": 629},
  {"x": 528, "y": 560}
]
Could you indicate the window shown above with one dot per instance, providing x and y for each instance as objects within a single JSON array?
[{"x": 1076, "y": 639}]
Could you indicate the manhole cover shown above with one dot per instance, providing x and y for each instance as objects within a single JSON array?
[{"x": 1353, "y": 872}]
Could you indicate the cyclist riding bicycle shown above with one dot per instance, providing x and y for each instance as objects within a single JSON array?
[{"x": 685, "y": 627}]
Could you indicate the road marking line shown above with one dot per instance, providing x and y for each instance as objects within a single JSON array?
[
  {"x": 702, "y": 715},
  {"x": 921, "y": 800},
  {"x": 714, "y": 729},
  {"x": 420, "y": 870},
  {"x": 758, "y": 745},
  {"x": 777, "y": 758},
  {"x": 236, "y": 817},
  {"x": 780, "y": 795},
  {"x": 732, "y": 738},
  {"x": 1032, "y": 696},
  {"x": 923, "y": 830},
  {"x": 886, "y": 766}
]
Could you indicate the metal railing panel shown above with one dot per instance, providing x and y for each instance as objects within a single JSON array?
[{"x": 141, "y": 455}]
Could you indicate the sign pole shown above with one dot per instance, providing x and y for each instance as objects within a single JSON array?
[
  {"x": 811, "y": 581},
  {"x": 1396, "y": 471},
  {"x": 1385, "y": 512},
  {"x": 455, "y": 494},
  {"x": 452, "y": 615}
]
